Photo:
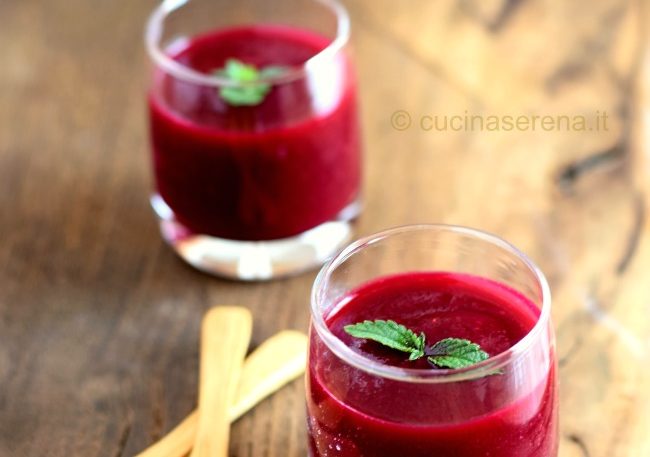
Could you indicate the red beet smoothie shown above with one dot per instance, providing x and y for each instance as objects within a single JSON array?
[
  {"x": 355, "y": 414},
  {"x": 264, "y": 172}
]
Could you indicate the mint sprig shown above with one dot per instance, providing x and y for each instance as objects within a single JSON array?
[
  {"x": 250, "y": 91},
  {"x": 447, "y": 353},
  {"x": 391, "y": 334},
  {"x": 455, "y": 353}
]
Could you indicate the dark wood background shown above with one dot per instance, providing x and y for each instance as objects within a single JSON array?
[{"x": 99, "y": 321}]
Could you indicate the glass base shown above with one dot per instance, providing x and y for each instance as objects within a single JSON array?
[{"x": 256, "y": 260}]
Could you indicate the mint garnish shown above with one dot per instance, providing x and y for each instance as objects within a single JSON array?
[
  {"x": 455, "y": 353},
  {"x": 250, "y": 92},
  {"x": 391, "y": 334},
  {"x": 447, "y": 353}
]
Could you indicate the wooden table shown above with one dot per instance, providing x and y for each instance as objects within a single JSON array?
[{"x": 99, "y": 321}]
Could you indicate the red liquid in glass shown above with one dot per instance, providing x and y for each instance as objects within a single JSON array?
[
  {"x": 264, "y": 172},
  {"x": 354, "y": 414}
]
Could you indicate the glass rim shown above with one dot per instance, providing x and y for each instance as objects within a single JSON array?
[
  {"x": 419, "y": 375},
  {"x": 153, "y": 34}
]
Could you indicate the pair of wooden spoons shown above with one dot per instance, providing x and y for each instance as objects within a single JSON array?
[{"x": 230, "y": 385}]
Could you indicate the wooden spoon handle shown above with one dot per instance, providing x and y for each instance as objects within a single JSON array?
[
  {"x": 225, "y": 336},
  {"x": 277, "y": 361}
]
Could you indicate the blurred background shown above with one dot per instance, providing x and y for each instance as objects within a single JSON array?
[{"x": 99, "y": 319}]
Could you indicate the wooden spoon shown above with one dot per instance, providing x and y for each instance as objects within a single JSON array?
[
  {"x": 225, "y": 336},
  {"x": 274, "y": 363}
]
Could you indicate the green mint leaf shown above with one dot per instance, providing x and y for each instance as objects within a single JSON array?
[
  {"x": 241, "y": 72},
  {"x": 391, "y": 334},
  {"x": 243, "y": 96},
  {"x": 250, "y": 92},
  {"x": 455, "y": 353}
]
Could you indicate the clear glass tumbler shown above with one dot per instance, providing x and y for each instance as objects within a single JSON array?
[
  {"x": 439, "y": 279},
  {"x": 255, "y": 136}
]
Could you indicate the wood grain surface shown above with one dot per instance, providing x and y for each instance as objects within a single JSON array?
[{"x": 99, "y": 321}]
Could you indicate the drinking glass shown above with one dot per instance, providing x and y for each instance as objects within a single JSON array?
[
  {"x": 262, "y": 187},
  {"x": 505, "y": 406}
]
